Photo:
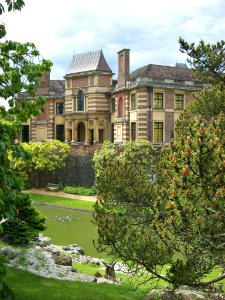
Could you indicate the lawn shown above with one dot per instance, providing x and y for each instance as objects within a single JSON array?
[
  {"x": 60, "y": 201},
  {"x": 27, "y": 286}
]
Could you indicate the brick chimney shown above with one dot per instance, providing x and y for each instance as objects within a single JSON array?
[
  {"x": 123, "y": 67},
  {"x": 44, "y": 86}
]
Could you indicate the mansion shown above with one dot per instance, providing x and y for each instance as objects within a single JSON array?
[{"x": 89, "y": 106}]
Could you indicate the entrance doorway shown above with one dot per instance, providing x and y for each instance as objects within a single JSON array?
[{"x": 81, "y": 132}]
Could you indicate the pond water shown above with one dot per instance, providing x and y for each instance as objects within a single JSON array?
[{"x": 65, "y": 227}]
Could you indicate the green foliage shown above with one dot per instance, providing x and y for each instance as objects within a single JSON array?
[
  {"x": 21, "y": 68},
  {"x": 122, "y": 172},
  {"x": 26, "y": 224},
  {"x": 177, "y": 222},
  {"x": 208, "y": 103},
  {"x": 48, "y": 155},
  {"x": 79, "y": 190},
  {"x": 124, "y": 201},
  {"x": 5, "y": 291},
  {"x": 12, "y": 5},
  {"x": 208, "y": 63},
  {"x": 191, "y": 199}
]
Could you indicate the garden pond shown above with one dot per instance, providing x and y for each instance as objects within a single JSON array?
[{"x": 67, "y": 226}]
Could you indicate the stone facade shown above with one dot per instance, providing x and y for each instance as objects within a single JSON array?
[{"x": 88, "y": 107}]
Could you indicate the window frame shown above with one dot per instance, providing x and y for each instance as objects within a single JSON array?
[
  {"x": 158, "y": 134},
  {"x": 161, "y": 100},
  {"x": 133, "y": 131},
  {"x": 75, "y": 103},
  {"x": 133, "y": 101},
  {"x": 80, "y": 101},
  {"x": 58, "y": 110},
  {"x": 113, "y": 105},
  {"x": 179, "y": 101}
]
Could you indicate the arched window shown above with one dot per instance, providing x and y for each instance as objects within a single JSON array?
[
  {"x": 120, "y": 107},
  {"x": 80, "y": 100}
]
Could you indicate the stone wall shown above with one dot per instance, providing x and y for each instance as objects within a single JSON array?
[{"x": 78, "y": 170}]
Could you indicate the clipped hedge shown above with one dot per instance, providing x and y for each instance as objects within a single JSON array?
[{"x": 79, "y": 190}]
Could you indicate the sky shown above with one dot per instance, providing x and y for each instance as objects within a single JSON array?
[{"x": 150, "y": 29}]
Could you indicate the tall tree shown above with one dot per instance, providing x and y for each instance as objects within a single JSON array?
[
  {"x": 208, "y": 65},
  {"x": 172, "y": 229},
  {"x": 207, "y": 61},
  {"x": 21, "y": 67}
]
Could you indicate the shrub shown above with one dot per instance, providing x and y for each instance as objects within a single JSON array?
[
  {"x": 79, "y": 190},
  {"x": 26, "y": 224}
]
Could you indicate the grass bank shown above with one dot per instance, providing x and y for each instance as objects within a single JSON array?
[
  {"x": 61, "y": 201},
  {"x": 28, "y": 286}
]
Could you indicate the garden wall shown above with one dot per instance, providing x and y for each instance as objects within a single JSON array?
[{"x": 78, "y": 170}]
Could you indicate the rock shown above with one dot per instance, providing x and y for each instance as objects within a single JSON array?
[
  {"x": 66, "y": 248},
  {"x": 42, "y": 240},
  {"x": 180, "y": 294},
  {"x": 74, "y": 249},
  {"x": 80, "y": 250},
  {"x": 62, "y": 259},
  {"x": 105, "y": 280},
  {"x": 73, "y": 269}
]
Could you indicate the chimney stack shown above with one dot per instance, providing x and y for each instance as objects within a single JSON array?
[
  {"x": 123, "y": 67},
  {"x": 44, "y": 86}
]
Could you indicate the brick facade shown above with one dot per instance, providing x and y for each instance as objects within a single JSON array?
[{"x": 86, "y": 93}]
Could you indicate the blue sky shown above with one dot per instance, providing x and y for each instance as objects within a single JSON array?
[{"x": 150, "y": 29}]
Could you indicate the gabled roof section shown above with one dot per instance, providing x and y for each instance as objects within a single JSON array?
[
  {"x": 89, "y": 61},
  {"x": 163, "y": 72}
]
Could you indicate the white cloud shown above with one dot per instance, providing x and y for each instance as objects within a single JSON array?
[{"x": 151, "y": 29}]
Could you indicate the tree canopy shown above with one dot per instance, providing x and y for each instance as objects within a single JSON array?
[
  {"x": 47, "y": 155},
  {"x": 207, "y": 61},
  {"x": 171, "y": 229},
  {"x": 208, "y": 65},
  {"x": 12, "y": 5},
  {"x": 21, "y": 67}
]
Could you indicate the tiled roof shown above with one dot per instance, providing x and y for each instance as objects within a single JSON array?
[
  {"x": 90, "y": 61},
  {"x": 57, "y": 86},
  {"x": 163, "y": 72}
]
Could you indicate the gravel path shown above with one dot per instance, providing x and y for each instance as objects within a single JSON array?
[{"x": 61, "y": 194}]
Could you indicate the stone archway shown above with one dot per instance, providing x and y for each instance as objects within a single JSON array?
[{"x": 81, "y": 132}]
